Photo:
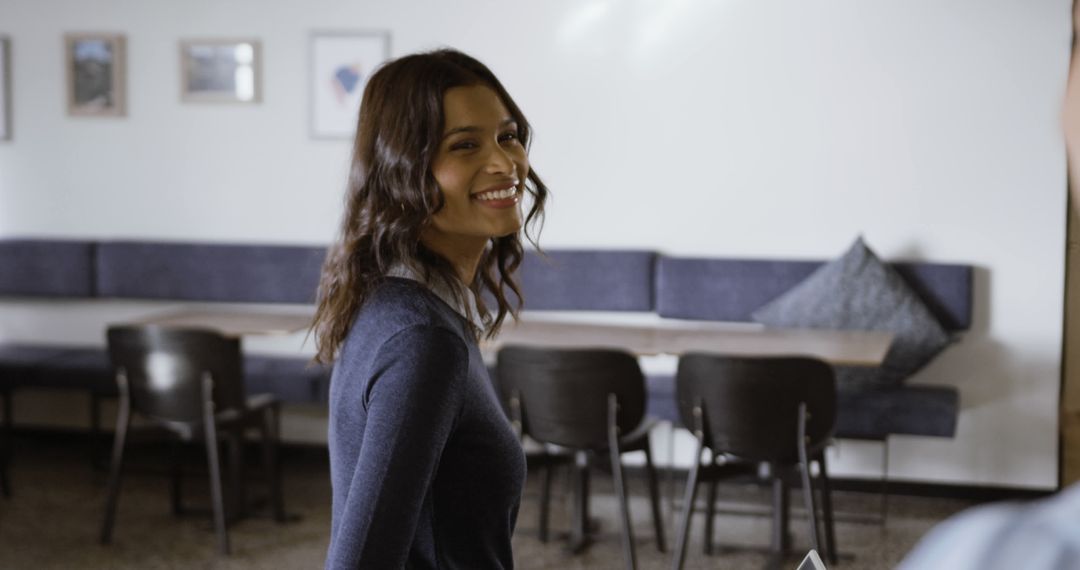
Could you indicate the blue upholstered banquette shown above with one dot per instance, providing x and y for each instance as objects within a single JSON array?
[
  {"x": 567, "y": 280},
  {"x": 155, "y": 270}
]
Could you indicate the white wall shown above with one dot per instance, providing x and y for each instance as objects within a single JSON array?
[{"x": 727, "y": 128}]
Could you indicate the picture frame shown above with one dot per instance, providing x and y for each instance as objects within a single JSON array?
[
  {"x": 96, "y": 65},
  {"x": 5, "y": 89},
  {"x": 221, "y": 71},
  {"x": 341, "y": 62}
]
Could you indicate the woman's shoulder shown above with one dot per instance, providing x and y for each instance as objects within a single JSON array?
[{"x": 398, "y": 304}]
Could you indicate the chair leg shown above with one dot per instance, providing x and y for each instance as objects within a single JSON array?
[
  {"x": 654, "y": 497},
  {"x": 96, "y": 436},
  {"x": 237, "y": 503},
  {"x": 545, "y": 501},
  {"x": 688, "y": 510},
  {"x": 811, "y": 507},
  {"x": 6, "y": 444},
  {"x": 807, "y": 483},
  {"x": 116, "y": 469},
  {"x": 580, "y": 535},
  {"x": 780, "y": 538},
  {"x": 827, "y": 511},
  {"x": 210, "y": 431},
  {"x": 270, "y": 461},
  {"x": 176, "y": 479},
  {"x": 620, "y": 483},
  {"x": 884, "y": 481},
  {"x": 215, "y": 486},
  {"x": 710, "y": 515},
  {"x": 5, "y": 485}
]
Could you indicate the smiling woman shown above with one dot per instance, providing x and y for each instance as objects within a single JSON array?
[{"x": 426, "y": 471}]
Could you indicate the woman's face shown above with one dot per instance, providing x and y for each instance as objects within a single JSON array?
[{"x": 481, "y": 168}]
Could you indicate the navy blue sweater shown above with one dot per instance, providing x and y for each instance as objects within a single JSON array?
[{"x": 426, "y": 471}]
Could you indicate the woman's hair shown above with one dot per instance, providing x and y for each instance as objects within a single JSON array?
[{"x": 392, "y": 195}]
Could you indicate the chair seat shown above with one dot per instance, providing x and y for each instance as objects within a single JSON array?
[
  {"x": 904, "y": 410},
  {"x": 88, "y": 368},
  {"x": 661, "y": 402},
  {"x": 865, "y": 414},
  {"x": 292, "y": 380},
  {"x": 77, "y": 368},
  {"x": 19, "y": 361}
]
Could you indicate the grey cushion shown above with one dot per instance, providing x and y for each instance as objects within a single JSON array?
[
  {"x": 46, "y": 268},
  {"x": 859, "y": 292},
  {"x": 588, "y": 280},
  {"x": 209, "y": 272}
]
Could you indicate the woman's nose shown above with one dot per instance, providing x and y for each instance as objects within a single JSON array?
[{"x": 500, "y": 162}]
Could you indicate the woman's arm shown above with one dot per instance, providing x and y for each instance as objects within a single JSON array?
[{"x": 412, "y": 400}]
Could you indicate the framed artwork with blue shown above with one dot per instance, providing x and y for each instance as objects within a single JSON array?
[{"x": 341, "y": 63}]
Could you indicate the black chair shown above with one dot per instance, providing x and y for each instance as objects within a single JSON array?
[
  {"x": 545, "y": 457},
  {"x": 190, "y": 382},
  {"x": 5, "y": 444},
  {"x": 587, "y": 401},
  {"x": 780, "y": 411}
]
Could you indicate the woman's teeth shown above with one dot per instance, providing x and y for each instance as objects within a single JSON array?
[{"x": 497, "y": 194}]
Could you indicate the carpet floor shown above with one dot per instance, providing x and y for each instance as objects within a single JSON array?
[{"x": 54, "y": 517}]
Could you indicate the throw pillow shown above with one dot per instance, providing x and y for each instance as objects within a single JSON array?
[{"x": 859, "y": 292}]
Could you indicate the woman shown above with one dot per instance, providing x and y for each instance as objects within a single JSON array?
[{"x": 426, "y": 471}]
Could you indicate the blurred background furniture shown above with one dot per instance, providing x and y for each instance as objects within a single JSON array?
[
  {"x": 190, "y": 382},
  {"x": 748, "y": 411}
]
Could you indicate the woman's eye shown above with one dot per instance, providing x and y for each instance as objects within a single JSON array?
[
  {"x": 463, "y": 145},
  {"x": 508, "y": 136}
]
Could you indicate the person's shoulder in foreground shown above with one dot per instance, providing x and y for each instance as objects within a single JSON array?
[{"x": 1041, "y": 535}]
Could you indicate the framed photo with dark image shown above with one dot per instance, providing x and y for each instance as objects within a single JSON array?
[
  {"x": 341, "y": 63},
  {"x": 95, "y": 74},
  {"x": 220, "y": 71},
  {"x": 5, "y": 89}
]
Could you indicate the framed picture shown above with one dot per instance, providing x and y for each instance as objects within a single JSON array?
[
  {"x": 341, "y": 63},
  {"x": 220, "y": 71},
  {"x": 5, "y": 89},
  {"x": 95, "y": 74}
]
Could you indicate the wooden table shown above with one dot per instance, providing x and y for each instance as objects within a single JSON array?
[
  {"x": 234, "y": 323},
  {"x": 850, "y": 348}
]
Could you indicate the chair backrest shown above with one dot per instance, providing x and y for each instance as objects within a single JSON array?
[
  {"x": 164, "y": 367},
  {"x": 564, "y": 392},
  {"x": 751, "y": 405}
]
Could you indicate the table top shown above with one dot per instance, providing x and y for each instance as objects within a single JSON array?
[
  {"x": 234, "y": 323},
  {"x": 852, "y": 348}
]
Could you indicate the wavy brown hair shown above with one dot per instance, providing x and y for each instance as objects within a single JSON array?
[{"x": 392, "y": 194}]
